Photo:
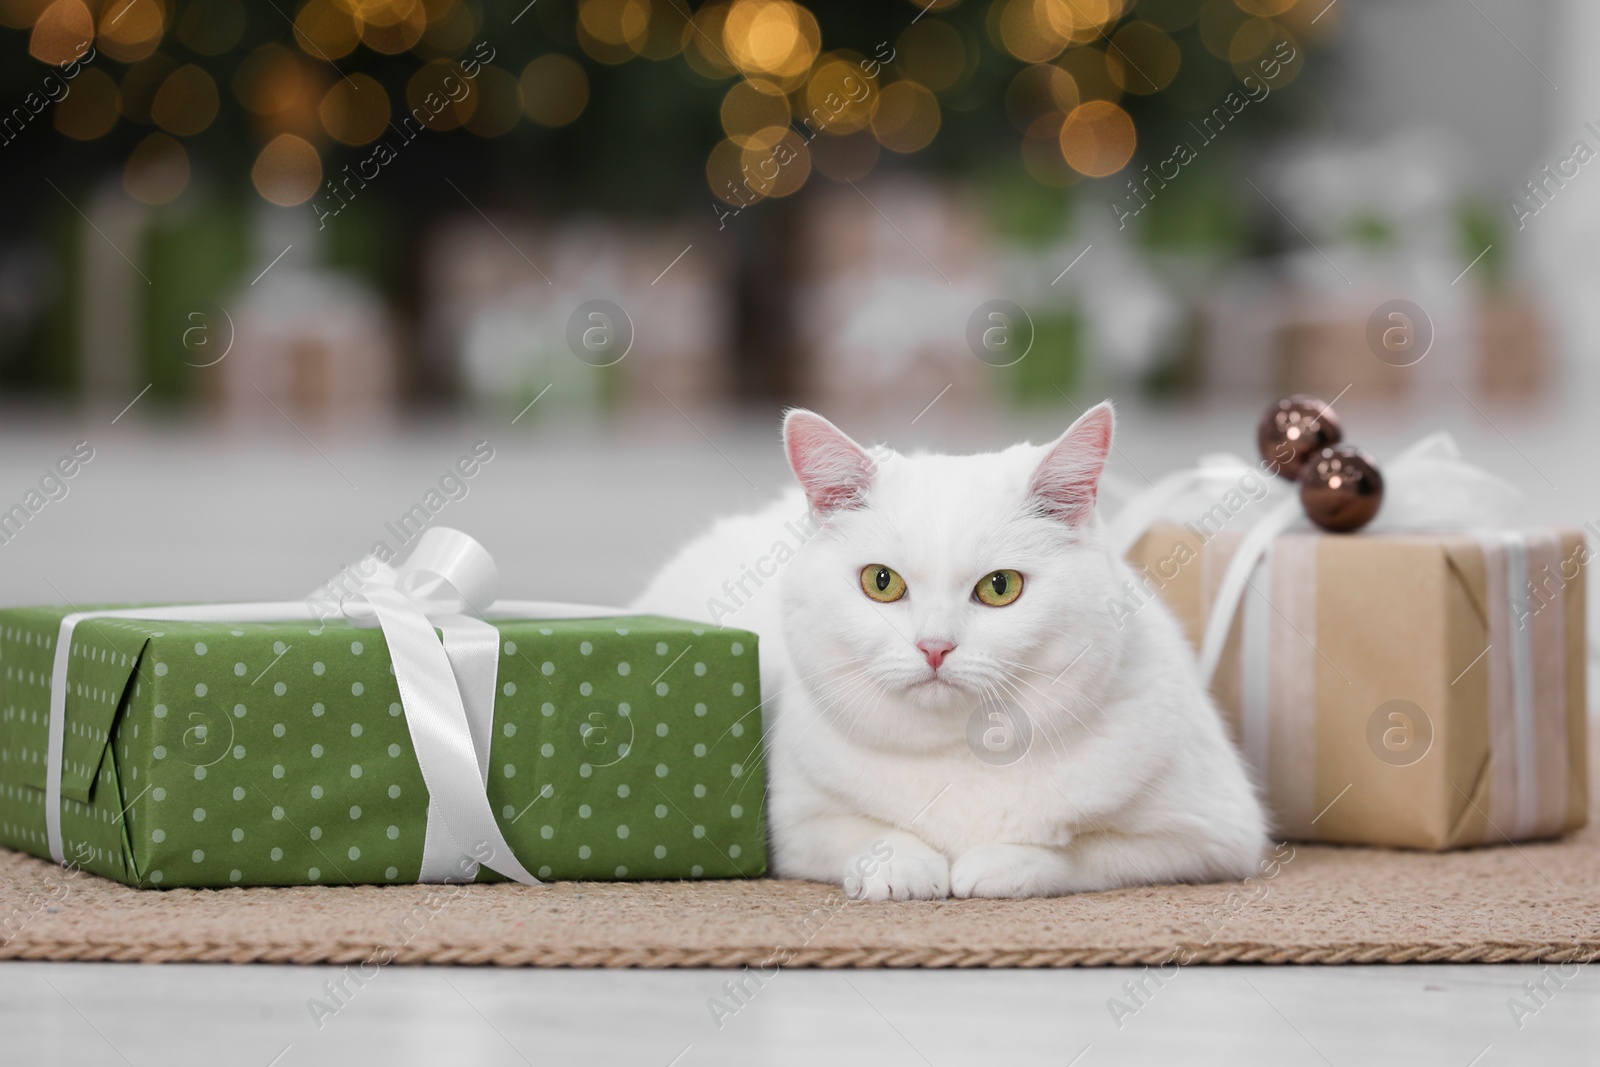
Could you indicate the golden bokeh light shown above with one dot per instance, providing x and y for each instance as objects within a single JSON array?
[
  {"x": 845, "y": 159},
  {"x": 452, "y": 27},
  {"x": 1025, "y": 31},
  {"x": 1098, "y": 139},
  {"x": 1258, "y": 46},
  {"x": 1169, "y": 15},
  {"x": 131, "y": 29},
  {"x": 439, "y": 96},
  {"x": 755, "y": 114},
  {"x": 62, "y": 33},
  {"x": 726, "y": 176},
  {"x": 774, "y": 37},
  {"x": 20, "y": 14},
  {"x": 1253, "y": 37},
  {"x": 186, "y": 103},
  {"x": 779, "y": 169},
  {"x": 1142, "y": 59},
  {"x": 1219, "y": 20},
  {"x": 90, "y": 109},
  {"x": 157, "y": 171},
  {"x": 618, "y": 17},
  {"x": 499, "y": 103},
  {"x": 384, "y": 12},
  {"x": 1037, "y": 91},
  {"x": 326, "y": 30},
  {"x": 1041, "y": 152},
  {"x": 1312, "y": 22},
  {"x": 907, "y": 117},
  {"x": 139, "y": 85},
  {"x": 932, "y": 53},
  {"x": 391, "y": 26},
  {"x": 554, "y": 89},
  {"x": 355, "y": 110},
  {"x": 839, "y": 98},
  {"x": 621, "y": 27},
  {"x": 1077, "y": 21},
  {"x": 211, "y": 27},
  {"x": 288, "y": 171},
  {"x": 1091, "y": 74},
  {"x": 270, "y": 81},
  {"x": 702, "y": 48},
  {"x": 668, "y": 21},
  {"x": 1080, "y": 61},
  {"x": 1265, "y": 8}
]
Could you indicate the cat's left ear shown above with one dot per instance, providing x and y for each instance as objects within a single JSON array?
[{"x": 1069, "y": 476}]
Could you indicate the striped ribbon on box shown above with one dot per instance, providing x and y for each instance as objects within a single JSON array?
[
  {"x": 1527, "y": 698},
  {"x": 1429, "y": 489}
]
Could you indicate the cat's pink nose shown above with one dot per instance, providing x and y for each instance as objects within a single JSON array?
[{"x": 936, "y": 651}]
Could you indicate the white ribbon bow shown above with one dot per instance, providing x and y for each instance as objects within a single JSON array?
[
  {"x": 447, "y": 684},
  {"x": 1427, "y": 487}
]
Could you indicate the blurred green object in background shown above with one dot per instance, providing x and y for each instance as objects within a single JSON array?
[
  {"x": 1054, "y": 366},
  {"x": 195, "y": 256}
]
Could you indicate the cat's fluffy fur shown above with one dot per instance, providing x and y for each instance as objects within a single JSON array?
[{"x": 1130, "y": 777}]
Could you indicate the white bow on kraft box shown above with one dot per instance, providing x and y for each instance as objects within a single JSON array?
[
  {"x": 1418, "y": 684},
  {"x": 412, "y": 728}
]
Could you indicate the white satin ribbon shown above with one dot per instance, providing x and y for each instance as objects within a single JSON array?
[
  {"x": 1214, "y": 474},
  {"x": 447, "y": 684},
  {"x": 1427, "y": 487},
  {"x": 1525, "y": 797}
]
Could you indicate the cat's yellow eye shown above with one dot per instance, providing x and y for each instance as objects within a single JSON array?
[
  {"x": 999, "y": 588},
  {"x": 882, "y": 583}
]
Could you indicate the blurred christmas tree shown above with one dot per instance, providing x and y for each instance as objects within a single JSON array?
[{"x": 401, "y": 109}]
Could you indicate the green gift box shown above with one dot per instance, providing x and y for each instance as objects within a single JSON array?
[{"x": 278, "y": 753}]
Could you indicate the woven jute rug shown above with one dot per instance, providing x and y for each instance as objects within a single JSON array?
[{"x": 1319, "y": 905}]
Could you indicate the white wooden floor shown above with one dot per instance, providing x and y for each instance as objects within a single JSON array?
[
  {"x": 183, "y": 1015},
  {"x": 586, "y": 514}
]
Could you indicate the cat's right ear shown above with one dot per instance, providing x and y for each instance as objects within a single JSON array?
[{"x": 834, "y": 471}]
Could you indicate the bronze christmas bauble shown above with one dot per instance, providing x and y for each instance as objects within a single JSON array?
[
  {"x": 1292, "y": 430},
  {"x": 1341, "y": 488}
]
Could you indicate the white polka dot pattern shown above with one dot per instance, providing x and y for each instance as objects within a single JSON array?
[{"x": 268, "y": 754}]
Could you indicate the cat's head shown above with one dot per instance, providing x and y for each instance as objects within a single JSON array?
[{"x": 937, "y": 582}]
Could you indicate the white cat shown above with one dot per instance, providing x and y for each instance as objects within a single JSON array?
[{"x": 950, "y": 707}]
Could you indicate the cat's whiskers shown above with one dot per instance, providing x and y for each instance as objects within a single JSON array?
[
  {"x": 830, "y": 700},
  {"x": 756, "y": 757},
  {"x": 744, "y": 781},
  {"x": 757, "y": 752},
  {"x": 863, "y": 712},
  {"x": 1049, "y": 726},
  {"x": 769, "y": 699},
  {"x": 1022, "y": 701},
  {"x": 1058, "y": 704},
  {"x": 990, "y": 693},
  {"x": 833, "y": 706},
  {"x": 1052, "y": 699},
  {"x": 1069, "y": 691},
  {"x": 834, "y": 689},
  {"x": 1024, "y": 666},
  {"x": 844, "y": 687},
  {"x": 844, "y": 702}
]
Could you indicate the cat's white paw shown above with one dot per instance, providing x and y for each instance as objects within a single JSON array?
[
  {"x": 1009, "y": 871},
  {"x": 911, "y": 871}
]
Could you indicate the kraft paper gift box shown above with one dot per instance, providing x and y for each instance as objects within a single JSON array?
[
  {"x": 278, "y": 753},
  {"x": 1404, "y": 689}
]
